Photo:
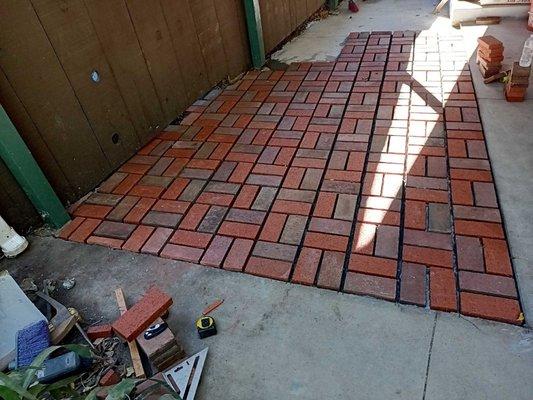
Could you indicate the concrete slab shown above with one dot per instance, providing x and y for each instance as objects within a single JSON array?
[
  {"x": 495, "y": 362},
  {"x": 279, "y": 340},
  {"x": 508, "y": 131}
]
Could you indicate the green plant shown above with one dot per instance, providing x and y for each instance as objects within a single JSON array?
[{"x": 22, "y": 384}]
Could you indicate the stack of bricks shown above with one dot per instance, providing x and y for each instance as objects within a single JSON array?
[
  {"x": 516, "y": 86},
  {"x": 162, "y": 350},
  {"x": 489, "y": 55}
]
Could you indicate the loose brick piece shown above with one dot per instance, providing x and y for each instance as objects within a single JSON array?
[
  {"x": 139, "y": 317},
  {"x": 110, "y": 378},
  {"x": 99, "y": 331}
]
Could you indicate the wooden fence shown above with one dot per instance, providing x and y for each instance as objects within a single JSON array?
[{"x": 88, "y": 82}]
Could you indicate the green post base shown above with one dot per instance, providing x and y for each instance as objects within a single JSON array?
[
  {"x": 255, "y": 32},
  {"x": 29, "y": 175}
]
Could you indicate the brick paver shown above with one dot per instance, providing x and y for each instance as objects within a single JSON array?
[{"x": 367, "y": 175}]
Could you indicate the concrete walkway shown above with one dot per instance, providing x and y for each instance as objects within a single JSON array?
[{"x": 282, "y": 341}]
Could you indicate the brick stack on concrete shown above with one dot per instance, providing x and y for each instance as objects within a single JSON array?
[
  {"x": 489, "y": 55},
  {"x": 516, "y": 86},
  {"x": 162, "y": 350}
]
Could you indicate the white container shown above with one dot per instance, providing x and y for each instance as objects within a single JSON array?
[{"x": 11, "y": 243}]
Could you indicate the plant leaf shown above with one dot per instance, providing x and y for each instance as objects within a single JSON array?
[
  {"x": 8, "y": 394},
  {"x": 121, "y": 390},
  {"x": 79, "y": 349},
  {"x": 62, "y": 383},
  {"x": 7, "y": 382},
  {"x": 92, "y": 394}
]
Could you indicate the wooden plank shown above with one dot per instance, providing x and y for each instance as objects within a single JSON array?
[
  {"x": 74, "y": 40},
  {"x": 208, "y": 31},
  {"x": 275, "y": 15},
  {"x": 119, "y": 42},
  {"x": 186, "y": 47},
  {"x": 48, "y": 98},
  {"x": 134, "y": 350},
  {"x": 231, "y": 36},
  {"x": 33, "y": 139},
  {"x": 241, "y": 18},
  {"x": 156, "y": 44}
]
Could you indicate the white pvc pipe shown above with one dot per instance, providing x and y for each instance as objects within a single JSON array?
[{"x": 11, "y": 243}]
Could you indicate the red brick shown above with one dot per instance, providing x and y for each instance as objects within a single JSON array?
[
  {"x": 330, "y": 272},
  {"x": 442, "y": 289},
  {"x": 70, "y": 227},
  {"x": 179, "y": 252},
  {"x": 92, "y": 211},
  {"x": 138, "y": 238},
  {"x": 99, "y": 331},
  {"x": 238, "y": 254},
  {"x": 194, "y": 216},
  {"x": 325, "y": 205},
  {"x": 273, "y": 227},
  {"x": 84, "y": 230},
  {"x": 105, "y": 241},
  {"x": 291, "y": 207},
  {"x": 413, "y": 284},
  {"x": 462, "y": 192},
  {"x": 158, "y": 239},
  {"x": 146, "y": 191},
  {"x": 491, "y": 307},
  {"x": 497, "y": 259},
  {"x": 238, "y": 229},
  {"x": 475, "y": 228},
  {"x": 216, "y": 251},
  {"x": 192, "y": 239},
  {"x": 424, "y": 255},
  {"x": 140, "y": 209},
  {"x": 373, "y": 265},
  {"x": 175, "y": 189},
  {"x": 489, "y": 42},
  {"x": 371, "y": 285},
  {"x": 274, "y": 269},
  {"x": 111, "y": 377},
  {"x": 307, "y": 266},
  {"x": 246, "y": 196},
  {"x": 415, "y": 214},
  {"x": 127, "y": 183},
  {"x": 364, "y": 238},
  {"x": 219, "y": 199},
  {"x": 326, "y": 241},
  {"x": 487, "y": 284},
  {"x": 171, "y": 206},
  {"x": 139, "y": 317}
]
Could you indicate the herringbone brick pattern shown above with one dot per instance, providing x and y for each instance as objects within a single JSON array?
[{"x": 366, "y": 175}]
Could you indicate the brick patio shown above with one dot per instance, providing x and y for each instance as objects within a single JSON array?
[{"x": 333, "y": 174}]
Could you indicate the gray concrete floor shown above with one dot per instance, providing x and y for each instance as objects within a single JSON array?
[{"x": 281, "y": 341}]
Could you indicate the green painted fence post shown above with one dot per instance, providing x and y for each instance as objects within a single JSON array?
[
  {"x": 332, "y": 4},
  {"x": 255, "y": 32},
  {"x": 28, "y": 174}
]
